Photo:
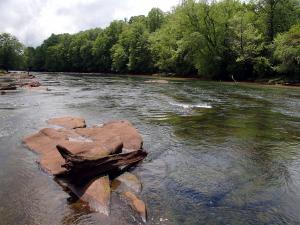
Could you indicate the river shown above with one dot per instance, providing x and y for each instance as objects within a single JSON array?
[{"x": 218, "y": 153}]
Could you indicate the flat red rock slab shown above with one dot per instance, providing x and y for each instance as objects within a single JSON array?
[
  {"x": 44, "y": 143},
  {"x": 132, "y": 140},
  {"x": 68, "y": 122},
  {"x": 88, "y": 142}
]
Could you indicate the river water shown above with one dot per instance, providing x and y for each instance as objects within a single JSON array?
[{"x": 218, "y": 153}]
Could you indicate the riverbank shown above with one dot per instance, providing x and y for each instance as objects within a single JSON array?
[{"x": 272, "y": 82}]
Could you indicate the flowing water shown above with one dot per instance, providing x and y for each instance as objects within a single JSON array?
[{"x": 218, "y": 153}]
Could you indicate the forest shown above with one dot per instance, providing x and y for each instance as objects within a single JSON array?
[{"x": 214, "y": 40}]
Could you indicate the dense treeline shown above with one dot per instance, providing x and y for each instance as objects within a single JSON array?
[{"x": 228, "y": 39}]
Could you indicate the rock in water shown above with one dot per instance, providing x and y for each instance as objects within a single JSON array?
[
  {"x": 68, "y": 122},
  {"x": 137, "y": 204},
  {"x": 97, "y": 194},
  {"x": 45, "y": 142},
  {"x": 132, "y": 140},
  {"x": 127, "y": 181},
  {"x": 81, "y": 158}
]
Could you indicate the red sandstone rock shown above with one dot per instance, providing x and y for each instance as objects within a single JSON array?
[
  {"x": 129, "y": 135},
  {"x": 68, "y": 122},
  {"x": 97, "y": 194},
  {"x": 95, "y": 142},
  {"x": 47, "y": 139},
  {"x": 127, "y": 181},
  {"x": 137, "y": 204}
]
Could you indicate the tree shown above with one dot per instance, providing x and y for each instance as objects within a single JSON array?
[
  {"x": 247, "y": 45},
  {"x": 29, "y": 56},
  {"x": 287, "y": 52},
  {"x": 133, "y": 49},
  {"x": 104, "y": 43},
  {"x": 277, "y": 15},
  {"x": 155, "y": 19},
  {"x": 11, "y": 51}
]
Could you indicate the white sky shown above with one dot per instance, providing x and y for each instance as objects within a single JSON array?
[{"x": 32, "y": 21}]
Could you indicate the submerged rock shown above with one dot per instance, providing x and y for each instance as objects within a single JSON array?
[
  {"x": 39, "y": 88},
  {"x": 68, "y": 122},
  {"x": 127, "y": 181},
  {"x": 97, "y": 194},
  {"x": 137, "y": 204}
]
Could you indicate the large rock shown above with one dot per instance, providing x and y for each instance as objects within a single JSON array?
[
  {"x": 68, "y": 122},
  {"x": 88, "y": 142},
  {"x": 45, "y": 142},
  {"x": 91, "y": 143}
]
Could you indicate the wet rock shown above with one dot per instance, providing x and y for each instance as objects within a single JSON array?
[
  {"x": 127, "y": 181},
  {"x": 8, "y": 87},
  {"x": 97, "y": 194},
  {"x": 101, "y": 146},
  {"x": 40, "y": 88},
  {"x": 30, "y": 84},
  {"x": 137, "y": 204},
  {"x": 68, "y": 122},
  {"x": 3, "y": 92},
  {"x": 45, "y": 142},
  {"x": 132, "y": 140}
]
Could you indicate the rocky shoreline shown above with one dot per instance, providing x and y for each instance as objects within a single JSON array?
[{"x": 14, "y": 81}]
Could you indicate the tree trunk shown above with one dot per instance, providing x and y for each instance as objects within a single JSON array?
[{"x": 80, "y": 170}]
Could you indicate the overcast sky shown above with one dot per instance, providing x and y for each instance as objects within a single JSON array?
[{"x": 32, "y": 21}]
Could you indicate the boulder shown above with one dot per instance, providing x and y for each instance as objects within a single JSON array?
[
  {"x": 81, "y": 158},
  {"x": 68, "y": 122},
  {"x": 137, "y": 204}
]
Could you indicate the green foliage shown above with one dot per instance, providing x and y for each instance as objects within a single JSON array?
[
  {"x": 276, "y": 16},
  {"x": 132, "y": 52},
  {"x": 247, "y": 46},
  {"x": 217, "y": 40},
  {"x": 11, "y": 51},
  {"x": 287, "y": 52},
  {"x": 155, "y": 19}
]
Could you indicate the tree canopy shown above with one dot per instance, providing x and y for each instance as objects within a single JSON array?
[
  {"x": 217, "y": 40},
  {"x": 11, "y": 52}
]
